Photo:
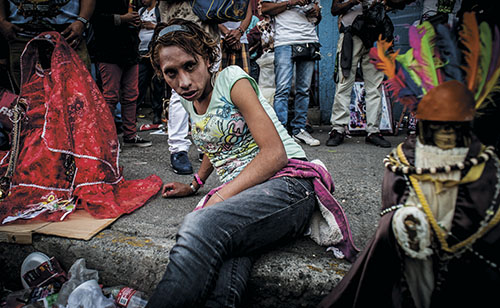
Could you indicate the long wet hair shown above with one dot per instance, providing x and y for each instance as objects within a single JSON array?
[{"x": 194, "y": 42}]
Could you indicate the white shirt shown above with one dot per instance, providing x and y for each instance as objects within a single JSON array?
[
  {"x": 293, "y": 27},
  {"x": 146, "y": 35}
]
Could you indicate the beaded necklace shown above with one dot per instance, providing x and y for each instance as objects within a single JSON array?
[
  {"x": 402, "y": 167},
  {"x": 485, "y": 225}
]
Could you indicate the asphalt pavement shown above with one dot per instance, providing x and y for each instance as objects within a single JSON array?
[{"x": 134, "y": 250}]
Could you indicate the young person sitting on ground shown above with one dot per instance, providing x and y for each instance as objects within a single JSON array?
[{"x": 269, "y": 191}]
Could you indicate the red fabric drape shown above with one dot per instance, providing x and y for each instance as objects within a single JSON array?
[{"x": 69, "y": 150}]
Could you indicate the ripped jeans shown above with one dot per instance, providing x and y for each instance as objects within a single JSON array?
[{"x": 210, "y": 263}]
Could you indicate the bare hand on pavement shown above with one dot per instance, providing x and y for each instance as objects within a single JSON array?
[{"x": 176, "y": 189}]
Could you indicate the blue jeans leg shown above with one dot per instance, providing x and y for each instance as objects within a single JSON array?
[
  {"x": 283, "y": 68},
  {"x": 245, "y": 224},
  {"x": 303, "y": 76},
  {"x": 231, "y": 282}
]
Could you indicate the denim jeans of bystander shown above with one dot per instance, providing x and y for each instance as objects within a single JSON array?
[{"x": 284, "y": 65}]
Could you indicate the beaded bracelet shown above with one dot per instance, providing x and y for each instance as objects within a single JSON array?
[{"x": 198, "y": 180}]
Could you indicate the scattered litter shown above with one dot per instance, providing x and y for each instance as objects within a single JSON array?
[
  {"x": 140, "y": 163},
  {"x": 336, "y": 252},
  {"x": 39, "y": 270},
  {"x": 89, "y": 295},
  {"x": 332, "y": 151},
  {"x": 126, "y": 297},
  {"x": 46, "y": 285},
  {"x": 78, "y": 274}
]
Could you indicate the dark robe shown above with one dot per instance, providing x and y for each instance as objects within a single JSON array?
[{"x": 377, "y": 279}]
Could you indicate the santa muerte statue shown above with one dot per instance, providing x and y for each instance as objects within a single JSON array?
[{"x": 438, "y": 240}]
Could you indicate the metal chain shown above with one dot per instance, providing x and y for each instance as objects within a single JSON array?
[{"x": 18, "y": 111}]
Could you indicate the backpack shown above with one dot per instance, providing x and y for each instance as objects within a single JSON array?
[{"x": 220, "y": 11}]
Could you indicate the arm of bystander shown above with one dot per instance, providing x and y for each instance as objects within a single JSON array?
[
  {"x": 73, "y": 33},
  {"x": 340, "y": 7},
  {"x": 7, "y": 29}
]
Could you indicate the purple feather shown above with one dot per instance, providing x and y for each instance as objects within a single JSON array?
[{"x": 495, "y": 54}]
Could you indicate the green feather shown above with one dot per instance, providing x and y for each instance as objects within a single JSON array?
[
  {"x": 408, "y": 62},
  {"x": 427, "y": 52},
  {"x": 485, "y": 39}
]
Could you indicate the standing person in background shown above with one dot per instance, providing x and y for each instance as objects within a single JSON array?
[
  {"x": 295, "y": 23},
  {"x": 234, "y": 45},
  {"x": 254, "y": 55},
  {"x": 150, "y": 17},
  {"x": 116, "y": 28},
  {"x": 178, "y": 122},
  {"x": 443, "y": 11},
  {"x": 19, "y": 23},
  {"x": 351, "y": 50}
]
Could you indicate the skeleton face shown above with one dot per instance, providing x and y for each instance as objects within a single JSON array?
[{"x": 445, "y": 135}]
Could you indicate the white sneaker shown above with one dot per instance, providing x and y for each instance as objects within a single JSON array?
[{"x": 303, "y": 136}]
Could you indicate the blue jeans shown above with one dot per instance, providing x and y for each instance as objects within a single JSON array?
[
  {"x": 210, "y": 263},
  {"x": 283, "y": 67}
]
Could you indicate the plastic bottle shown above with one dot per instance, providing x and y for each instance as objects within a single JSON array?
[{"x": 127, "y": 297}]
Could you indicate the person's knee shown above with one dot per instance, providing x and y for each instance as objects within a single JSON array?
[{"x": 195, "y": 225}]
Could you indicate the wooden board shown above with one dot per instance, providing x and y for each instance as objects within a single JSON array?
[{"x": 79, "y": 225}]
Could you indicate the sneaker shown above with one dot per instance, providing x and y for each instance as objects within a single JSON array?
[
  {"x": 137, "y": 141},
  {"x": 180, "y": 163},
  {"x": 303, "y": 136},
  {"x": 335, "y": 138},
  {"x": 378, "y": 140}
]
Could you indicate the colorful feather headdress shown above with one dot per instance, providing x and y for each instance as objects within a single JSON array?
[{"x": 435, "y": 57}]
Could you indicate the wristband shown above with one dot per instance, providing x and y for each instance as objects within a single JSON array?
[
  {"x": 117, "y": 19},
  {"x": 84, "y": 21},
  {"x": 193, "y": 188},
  {"x": 240, "y": 30},
  {"x": 198, "y": 180}
]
